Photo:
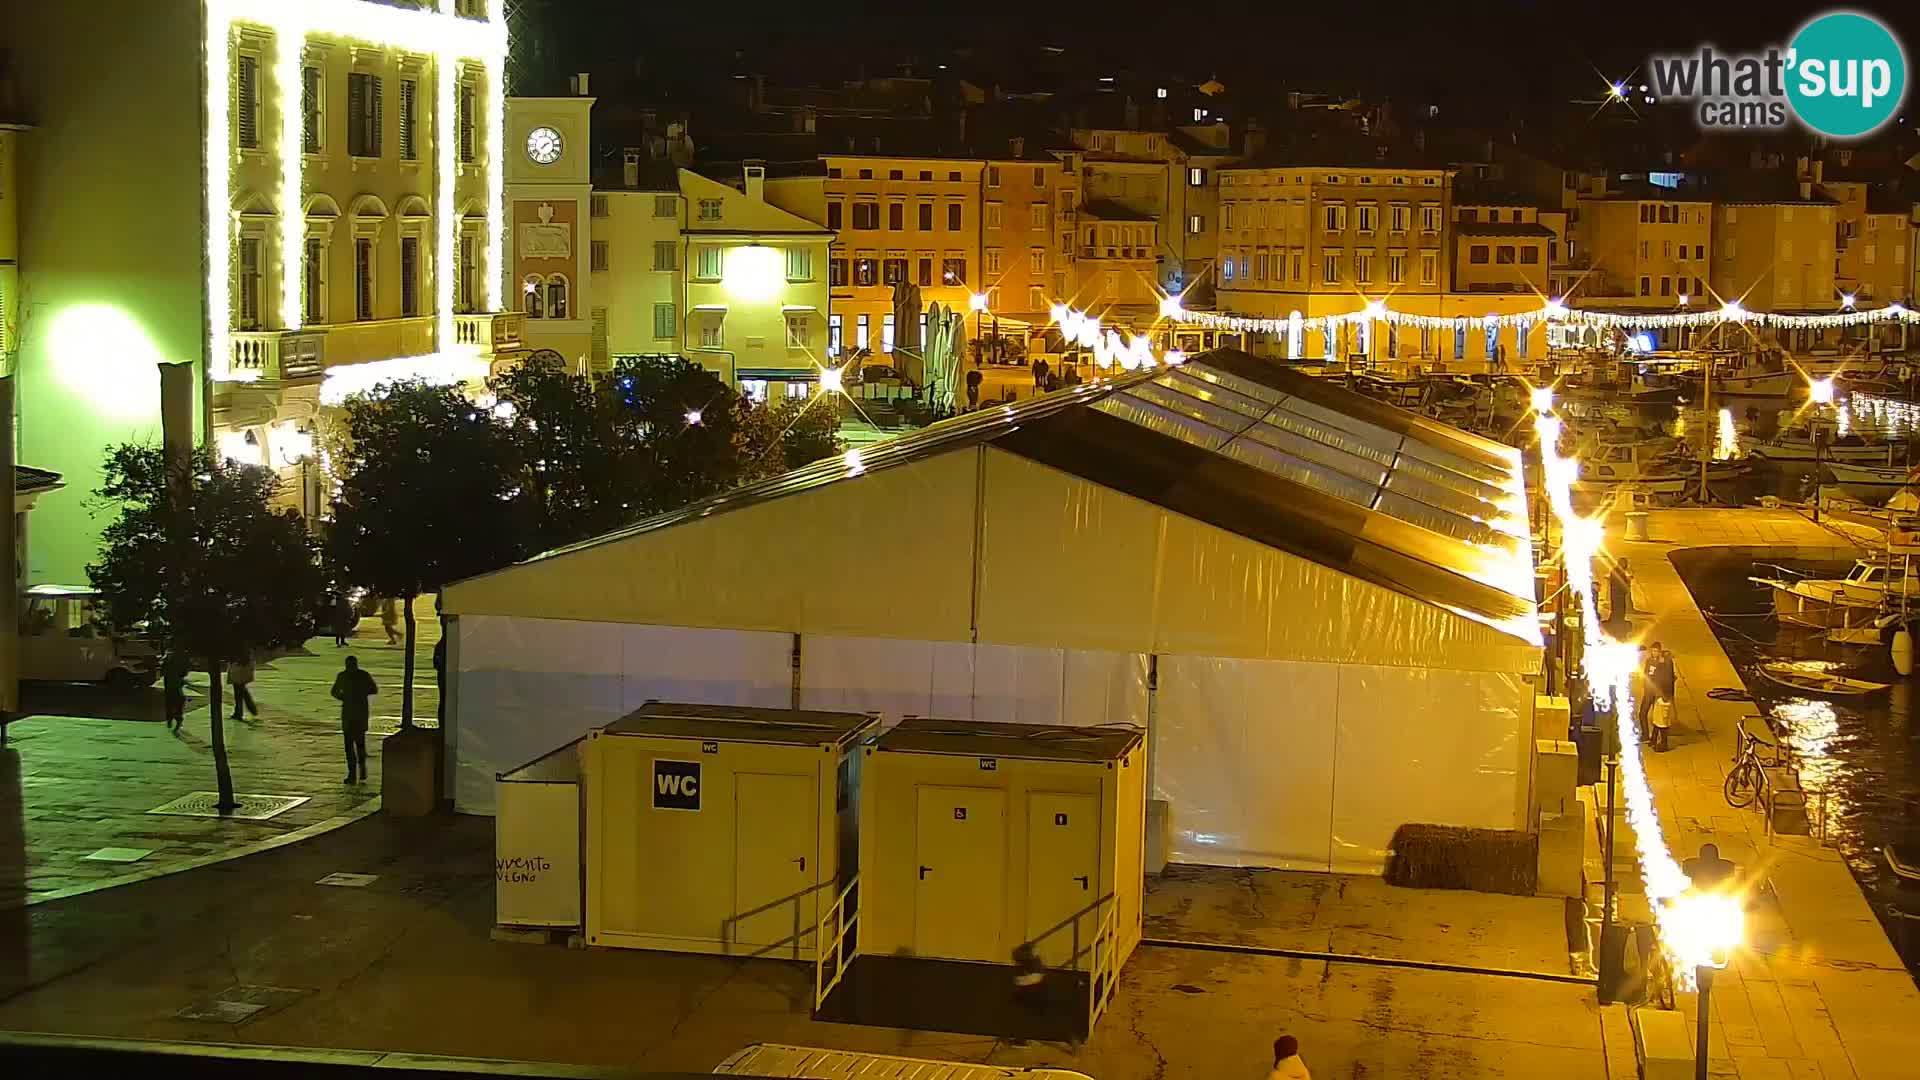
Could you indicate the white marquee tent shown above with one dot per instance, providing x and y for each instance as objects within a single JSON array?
[{"x": 1320, "y": 607}]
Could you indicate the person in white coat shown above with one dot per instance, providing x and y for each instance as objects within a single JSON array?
[{"x": 1286, "y": 1060}]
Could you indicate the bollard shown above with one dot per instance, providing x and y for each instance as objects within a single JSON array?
[{"x": 1637, "y": 525}]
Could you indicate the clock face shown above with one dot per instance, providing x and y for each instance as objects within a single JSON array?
[{"x": 543, "y": 145}]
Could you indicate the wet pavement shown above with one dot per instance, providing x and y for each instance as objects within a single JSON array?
[
  {"x": 406, "y": 963},
  {"x": 85, "y": 766}
]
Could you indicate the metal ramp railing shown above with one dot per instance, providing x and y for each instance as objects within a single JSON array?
[
  {"x": 1101, "y": 971},
  {"x": 832, "y": 938}
]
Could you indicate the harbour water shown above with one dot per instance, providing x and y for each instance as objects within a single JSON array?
[{"x": 1859, "y": 757}]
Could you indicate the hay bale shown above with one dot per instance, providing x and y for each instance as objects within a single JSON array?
[{"x": 1452, "y": 857}]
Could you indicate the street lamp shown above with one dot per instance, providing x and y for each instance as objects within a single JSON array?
[
  {"x": 1702, "y": 927},
  {"x": 977, "y": 303}
]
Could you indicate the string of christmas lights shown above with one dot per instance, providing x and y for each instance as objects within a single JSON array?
[{"x": 1553, "y": 311}]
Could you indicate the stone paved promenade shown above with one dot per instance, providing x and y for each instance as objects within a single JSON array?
[
  {"x": 1820, "y": 991},
  {"x": 83, "y": 768}
]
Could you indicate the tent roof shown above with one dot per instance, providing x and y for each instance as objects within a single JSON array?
[
  {"x": 738, "y": 723},
  {"x": 980, "y": 738},
  {"x": 1245, "y": 445}
]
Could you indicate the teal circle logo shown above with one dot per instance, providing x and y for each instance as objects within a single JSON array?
[{"x": 1846, "y": 75}]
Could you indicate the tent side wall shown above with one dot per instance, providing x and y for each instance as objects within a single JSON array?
[
  {"x": 1066, "y": 559},
  {"x": 1313, "y": 766},
  {"x": 802, "y": 562}
]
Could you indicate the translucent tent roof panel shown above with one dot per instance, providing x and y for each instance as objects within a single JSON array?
[
  {"x": 1253, "y": 448},
  {"x": 1308, "y": 444}
]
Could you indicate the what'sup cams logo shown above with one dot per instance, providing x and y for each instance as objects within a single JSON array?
[{"x": 1843, "y": 76}]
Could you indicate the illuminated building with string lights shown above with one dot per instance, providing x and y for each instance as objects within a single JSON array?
[
  {"x": 1303, "y": 242},
  {"x": 298, "y": 200}
]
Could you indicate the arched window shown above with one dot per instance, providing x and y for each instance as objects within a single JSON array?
[
  {"x": 557, "y": 296},
  {"x": 536, "y": 297}
]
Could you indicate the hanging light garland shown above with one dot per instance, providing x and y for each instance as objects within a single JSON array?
[{"x": 1552, "y": 312}]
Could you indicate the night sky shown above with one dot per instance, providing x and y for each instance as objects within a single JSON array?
[{"x": 1468, "y": 52}]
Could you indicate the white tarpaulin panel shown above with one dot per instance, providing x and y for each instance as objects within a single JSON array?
[
  {"x": 529, "y": 685},
  {"x": 892, "y": 678},
  {"x": 1417, "y": 745},
  {"x": 1243, "y": 754},
  {"x": 1076, "y": 687},
  {"x": 728, "y": 569},
  {"x": 536, "y": 852}
]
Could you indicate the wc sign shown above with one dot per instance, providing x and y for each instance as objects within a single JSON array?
[{"x": 676, "y": 785}]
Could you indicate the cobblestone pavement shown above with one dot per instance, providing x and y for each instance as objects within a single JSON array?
[
  {"x": 378, "y": 967},
  {"x": 85, "y": 765}
]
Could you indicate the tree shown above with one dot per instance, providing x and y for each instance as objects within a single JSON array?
[
  {"x": 204, "y": 566},
  {"x": 776, "y": 438},
  {"x": 682, "y": 419},
  {"x": 584, "y": 475},
  {"x": 432, "y": 493}
]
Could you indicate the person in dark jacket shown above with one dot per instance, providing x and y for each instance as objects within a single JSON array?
[
  {"x": 973, "y": 388},
  {"x": 344, "y": 620},
  {"x": 352, "y": 688},
  {"x": 173, "y": 686}
]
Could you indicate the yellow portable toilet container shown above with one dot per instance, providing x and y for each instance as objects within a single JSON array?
[
  {"x": 718, "y": 829},
  {"x": 977, "y": 838}
]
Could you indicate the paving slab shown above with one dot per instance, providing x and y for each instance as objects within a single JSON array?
[
  {"x": 406, "y": 964},
  {"x": 85, "y": 766}
]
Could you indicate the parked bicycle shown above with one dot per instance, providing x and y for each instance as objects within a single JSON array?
[{"x": 1753, "y": 755}]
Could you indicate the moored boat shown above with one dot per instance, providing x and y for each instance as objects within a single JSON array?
[{"x": 1814, "y": 677}]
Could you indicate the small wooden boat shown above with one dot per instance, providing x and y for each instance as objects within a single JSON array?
[
  {"x": 1796, "y": 446},
  {"x": 1811, "y": 677},
  {"x": 1904, "y": 861}
]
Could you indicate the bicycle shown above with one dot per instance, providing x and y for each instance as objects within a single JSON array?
[{"x": 1744, "y": 779}]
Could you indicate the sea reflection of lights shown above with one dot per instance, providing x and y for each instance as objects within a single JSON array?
[
  {"x": 1807, "y": 729},
  {"x": 1846, "y": 420},
  {"x": 1727, "y": 444}
]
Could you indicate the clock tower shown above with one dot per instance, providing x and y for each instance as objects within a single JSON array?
[{"x": 549, "y": 222}]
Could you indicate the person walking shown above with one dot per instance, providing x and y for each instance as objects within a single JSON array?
[
  {"x": 390, "y": 620},
  {"x": 344, "y": 620},
  {"x": 1286, "y": 1060},
  {"x": 1039, "y": 372},
  {"x": 973, "y": 389},
  {"x": 173, "y": 687},
  {"x": 240, "y": 676},
  {"x": 352, "y": 688}
]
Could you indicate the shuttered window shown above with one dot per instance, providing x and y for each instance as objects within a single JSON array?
[
  {"x": 246, "y": 102},
  {"x": 409, "y": 120},
  {"x": 409, "y": 276},
  {"x": 363, "y": 280},
  {"x": 365, "y": 114},
  {"x": 466, "y": 122},
  {"x": 310, "y": 98}
]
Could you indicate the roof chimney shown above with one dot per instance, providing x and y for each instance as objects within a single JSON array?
[
  {"x": 1018, "y": 145},
  {"x": 756, "y": 180},
  {"x": 581, "y": 85},
  {"x": 630, "y": 168}
]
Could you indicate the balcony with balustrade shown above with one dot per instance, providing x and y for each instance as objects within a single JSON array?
[{"x": 278, "y": 355}]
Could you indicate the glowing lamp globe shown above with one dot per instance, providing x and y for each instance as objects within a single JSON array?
[
  {"x": 831, "y": 381},
  {"x": 977, "y": 301},
  {"x": 1170, "y": 307},
  {"x": 1820, "y": 391},
  {"x": 754, "y": 272},
  {"x": 1541, "y": 398}
]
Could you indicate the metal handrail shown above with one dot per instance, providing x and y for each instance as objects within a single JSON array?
[
  {"x": 1100, "y": 969},
  {"x": 835, "y": 914}
]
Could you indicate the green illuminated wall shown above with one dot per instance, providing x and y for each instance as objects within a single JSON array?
[{"x": 110, "y": 263}]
